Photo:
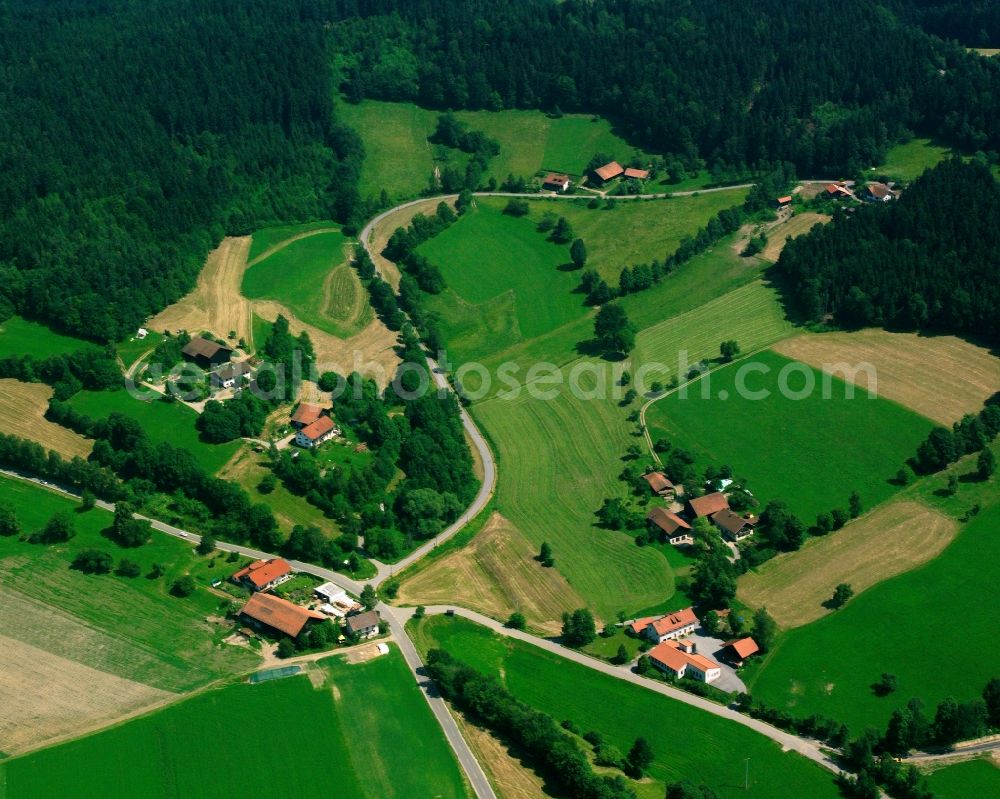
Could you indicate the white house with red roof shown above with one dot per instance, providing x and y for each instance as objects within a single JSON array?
[
  {"x": 670, "y": 626},
  {"x": 680, "y": 659},
  {"x": 263, "y": 575},
  {"x": 315, "y": 433}
]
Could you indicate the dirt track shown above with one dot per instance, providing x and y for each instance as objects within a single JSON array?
[
  {"x": 216, "y": 303},
  {"x": 22, "y": 413},
  {"x": 384, "y": 228}
]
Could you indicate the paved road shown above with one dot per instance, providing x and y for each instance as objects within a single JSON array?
[
  {"x": 803, "y": 746},
  {"x": 958, "y": 751}
]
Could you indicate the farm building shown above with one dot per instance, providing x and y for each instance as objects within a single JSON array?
[
  {"x": 708, "y": 505},
  {"x": 305, "y": 415},
  {"x": 660, "y": 485},
  {"x": 336, "y": 602},
  {"x": 878, "y": 193},
  {"x": 673, "y": 658},
  {"x": 363, "y": 625},
  {"x": 263, "y": 575},
  {"x": 316, "y": 433},
  {"x": 636, "y": 174},
  {"x": 783, "y": 202},
  {"x": 733, "y": 526},
  {"x": 279, "y": 615},
  {"x": 206, "y": 354},
  {"x": 839, "y": 191},
  {"x": 739, "y": 650},
  {"x": 231, "y": 374},
  {"x": 556, "y": 181},
  {"x": 608, "y": 172},
  {"x": 677, "y": 531},
  {"x": 672, "y": 625}
]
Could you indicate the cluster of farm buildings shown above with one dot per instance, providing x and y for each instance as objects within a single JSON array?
[
  {"x": 674, "y": 523},
  {"x": 559, "y": 182},
  {"x": 276, "y": 616}
]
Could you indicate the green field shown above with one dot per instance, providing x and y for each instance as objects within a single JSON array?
[
  {"x": 337, "y": 740},
  {"x": 829, "y": 666},
  {"x": 21, "y": 337},
  {"x": 172, "y": 422},
  {"x": 688, "y": 743},
  {"x": 974, "y": 778},
  {"x": 312, "y": 278},
  {"x": 828, "y": 447},
  {"x": 131, "y": 627},
  {"x": 906, "y": 162},
  {"x": 132, "y": 347},
  {"x": 399, "y": 159},
  {"x": 269, "y": 237}
]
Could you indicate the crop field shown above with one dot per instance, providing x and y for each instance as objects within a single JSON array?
[
  {"x": 399, "y": 159},
  {"x": 395, "y": 745},
  {"x": 310, "y": 275},
  {"x": 318, "y": 740},
  {"x": 894, "y": 538},
  {"x": 635, "y": 231},
  {"x": 496, "y": 574},
  {"x": 687, "y": 742},
  {"x": 22, "y": 413},
  {"x": 979, "y": 778},
  {"x": 870, "y": 635},
  {"x": 21, "y": 337},
  {"x": 778, "y": 236},
  {"x": 906, "y": 162},
  {"x": 819, "y": 461},
  {"x": 127, "y": 637},
  {"x": 940, "y": 377},
  {"x": 215, "y": 304},
  {"x": 172, "y": 422}
]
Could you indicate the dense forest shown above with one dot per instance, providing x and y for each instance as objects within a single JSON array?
[
  {"x": 930, "y": 261},
  {"x": 974, "y": 23},
  {"x": 736, "y": 83},
  {"x": 134, "y": 135}
]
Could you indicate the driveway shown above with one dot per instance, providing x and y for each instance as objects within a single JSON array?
[{"x": 712, "y": 648}]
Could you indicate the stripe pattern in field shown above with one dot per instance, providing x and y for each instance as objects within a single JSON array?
[
  {"x": 940, "y": 377},
  {"x": 892, "y": 539},
  {"x": 22, "y": 413}
]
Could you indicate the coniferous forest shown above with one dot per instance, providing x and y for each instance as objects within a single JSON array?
[{"x": 135, "y": 135}]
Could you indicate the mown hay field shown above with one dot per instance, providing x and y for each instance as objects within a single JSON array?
[
  {"x": 809, "y": 448},
  {"x": 778, "y": 236},
  {"x": 940, "y": 377},
  {"x": 894, "y": 538},
  {"x": 22, "y": 414},
  {"x": 687, "y": 743}
]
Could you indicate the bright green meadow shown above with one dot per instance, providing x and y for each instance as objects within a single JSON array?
[
  {"x": 21, "y": 337},
  {"x": 687, "y": 743},
  {"x": 974, "y": 778},
  {"x": 266, "y": 238}
]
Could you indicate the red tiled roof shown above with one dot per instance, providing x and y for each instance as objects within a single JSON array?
[
  {"x": 709, "y": 504},
  {"x": 556, "y": 177},
  {"x": 657, "y": 481},
  {"x": 786, "y": 199},
  {"x": 306, "y": 414},
  {"x": 262, "y": 572},
  {"x": 674, "y": 621},
  {"x": 638, "y": 174},
  {"x": 702, "y": 663},
  {"x": 744, "y": 647},
  {"x": 609, "y": 171},
  {"x": 731, "y": 522},
  {"x": 641, "y": 624},
  {"x": 669, "y": 656},
  {"x": 879, "y": 190},
  {"x": 318, "y": 428},
  {"x": 666, "y": 520},
  {"x": 279, "y": 613}
]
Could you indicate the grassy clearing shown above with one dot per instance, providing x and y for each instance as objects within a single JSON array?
[
  {"x": 893, "y": 539},
  {"x": 940, "y": 377},
  {"x": 311, "y": 277},
  {"x": 607, "y": 646},
  {"x": 971, "y": 778},
  {"x": 687, "y": 742},
  {"x": 128, "y": 627},
  {"x": 819, "y": 462},
  {"x": 22, "y": 413},
  {"x": 271, "y": 237},
  {"x": 172, "y": 422},
  {"x": 906, "y": 162},
  {"x": 870, "y": 635},
  {"x": 495, "y": 574},
  {"x": 20, "y": 337},
  {"x": 395, "y": 745}
]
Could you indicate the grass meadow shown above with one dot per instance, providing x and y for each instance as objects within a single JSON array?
[
  {"x": 172, "y": 422},
  {"x": 829, "y": 666},
  {"x": 687, "y": 743},
  {"x": 22, "y": 337},
  {"x": 337, "y": 739},
  {"x": 270, "y": 237},
  {"x": 131, "y": 627},
  {"x": 972, "y": 778},
  {"x": 906, "y": 162},
  {"x": 810, "y": 452}
]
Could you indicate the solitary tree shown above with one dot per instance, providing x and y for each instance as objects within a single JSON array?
[
  {"x": 563, "y": 231},
  {"x": 854, "y": 503},
  {"x": 643, "y": 664},
  {"x": 841, "y": 594},
  {"x": 8, "y": 521},
  {"x": 206, "y": 545},
  {"x": 952, "y": 488},
  {"x": 517, "y": 621},
  {"x": 183, "y": 586},
  {"x": 885, "y": 685},
  {"x": 87, "y": 500},
  {"x": 58, "y": 529},
  {"x": 128, "y": 568},
  {"x": 710, "y": 622},
  {"x": 765, "y": 628},
  {"x": 729, "y": 350},
  {"x": 621, "y": 657},
  {"x": 545, "y": 555},
  {"x": 578, "y": 252},
  {"x": 368, "y": 598},
  {"x": 639, "y": 757},
  {"x": 578, "y": 628},
  {"x": 613, "y": 329},
  {"x": 986, "y": 464}
]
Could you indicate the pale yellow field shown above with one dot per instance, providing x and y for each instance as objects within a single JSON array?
[
  {"x": 22, "y": 413},
  {"x": 495, "y": 574},
  {"x": 892, "y": 539},
  {"x": 216, "y": 303},
  {"x": 383, "y": 230},
  {"x": 940, "y": 377},
  {"x": 509, "y": 778},
  {"x": 778, "y": 236}
]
